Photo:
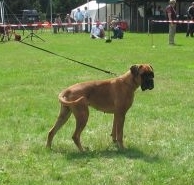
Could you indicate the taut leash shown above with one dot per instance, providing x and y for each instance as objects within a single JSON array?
[{"x": 78, "y": 62}]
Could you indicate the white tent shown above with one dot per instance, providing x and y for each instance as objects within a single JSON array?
[{"x": 93, "y": 9}]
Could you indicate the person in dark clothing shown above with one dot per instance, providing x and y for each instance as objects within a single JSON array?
[
  {"x": 117, "y": 31},
  {"x": 69, "y": 26},
  {"x": 190, "y": 26}
]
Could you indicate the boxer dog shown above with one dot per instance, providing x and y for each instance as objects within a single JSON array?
[
  {"x": 17, "y": 37},
  {"x": 113, "y": 96}
]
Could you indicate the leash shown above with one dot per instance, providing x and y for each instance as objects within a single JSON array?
[{"x": 78, "y": 62}]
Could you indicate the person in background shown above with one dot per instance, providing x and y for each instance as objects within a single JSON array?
[
  {"x": 69, "y": 20},
  {"x": 171, "y": 16},
  {"x": 190, "y": 27},
  {"x": 117, "y": 31},
  {"x": 159, "y": 11},
  {"x": 149, "y": 10},
  {"x": 97, "y": 31},
  {"x": 86, "y": 18},
  {"x": 79, "y": 19},
  {"x": 58, "y": 21}
]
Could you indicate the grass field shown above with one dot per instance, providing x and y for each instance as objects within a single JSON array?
[{"x": 158, "y": 129}]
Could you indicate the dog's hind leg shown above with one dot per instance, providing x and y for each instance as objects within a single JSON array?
[
  {"x": 64, "y": 115},
  {"x": 81, "y": 113}
]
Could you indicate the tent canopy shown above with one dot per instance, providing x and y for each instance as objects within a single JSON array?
[
  {"x": 109, "y": 1},
  {"x": 93, "y": 8}
]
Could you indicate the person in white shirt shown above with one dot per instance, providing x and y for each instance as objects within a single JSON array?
[
  {"x": 79, "y": 19},
  {"x": 97, "y": 31},
  {"x": 86, "y": 18}
]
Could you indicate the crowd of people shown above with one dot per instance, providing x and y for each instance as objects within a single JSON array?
[
  {"x": 79, "y": 17},
  {"x": 83, "y": 23},
  {"x": 96, "y": 31}
]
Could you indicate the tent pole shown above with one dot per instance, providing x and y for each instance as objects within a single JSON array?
[
  {"x": 98, "y": 12},
  {"x": 106, "y": 18},
  {"x": 51, "y": 9},
  {"x": 88, "y": 19}
]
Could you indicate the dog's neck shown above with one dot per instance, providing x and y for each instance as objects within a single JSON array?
[{"x": 128, "y": 77}]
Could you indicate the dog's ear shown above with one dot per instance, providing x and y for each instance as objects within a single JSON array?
[{"x": 135, "y": 70}]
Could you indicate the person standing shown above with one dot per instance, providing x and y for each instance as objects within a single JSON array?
[
  {"x": 79, "y": 19},
  {"x": 69, "y": 26},
  {"x": 190, "y": 26},
  {"x": 58, "y": 21},
  {"x": 171, "y": 16},
  {"x": 86, "y": 18}
]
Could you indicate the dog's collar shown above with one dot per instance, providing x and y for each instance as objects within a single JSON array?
[
  {"x": 126, "y": 82},
  {"x": 135, "y": 82}
]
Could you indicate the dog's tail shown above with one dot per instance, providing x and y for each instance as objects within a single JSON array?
[{"x": 66, "y": 102}]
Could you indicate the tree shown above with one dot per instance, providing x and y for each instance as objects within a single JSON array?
[
  {"x": 36, "y": 5},
  {"x": 42, "y": 6},
  {"x": 59, "y": 6}
]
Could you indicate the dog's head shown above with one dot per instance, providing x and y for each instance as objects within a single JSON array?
[
  {"x": 144, "y": 73},
  {"x": 17, "y": 37}
]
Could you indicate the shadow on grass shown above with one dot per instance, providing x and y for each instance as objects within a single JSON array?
[
  {"x": 131, "y": 153},
  {"x": 173, "y": 45}
]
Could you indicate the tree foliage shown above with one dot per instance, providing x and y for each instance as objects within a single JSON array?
[{"x": 43, "y": 6}]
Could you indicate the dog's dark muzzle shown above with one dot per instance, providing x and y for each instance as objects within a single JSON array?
[{"x": 147, "y": 81}]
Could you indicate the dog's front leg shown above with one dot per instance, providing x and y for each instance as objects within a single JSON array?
[
  {"x": 118, "y": 125},
  {"x": 114, "y": 132}
]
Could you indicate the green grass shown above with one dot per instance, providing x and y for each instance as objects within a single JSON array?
[{"x": 158, "y": 128}]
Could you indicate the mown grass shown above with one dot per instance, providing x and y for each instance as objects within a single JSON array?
[{"x": 158, "y": 128}]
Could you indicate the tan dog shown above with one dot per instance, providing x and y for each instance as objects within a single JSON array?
[{"x": 111, "y": 96}]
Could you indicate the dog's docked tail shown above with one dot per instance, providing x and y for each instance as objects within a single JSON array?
[{"x": 66, "y": 102}]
